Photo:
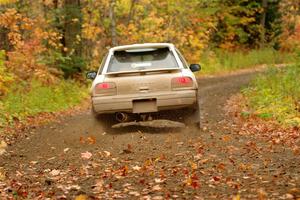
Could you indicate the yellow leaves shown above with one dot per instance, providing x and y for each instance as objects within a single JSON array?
[
  {"x": 3, "y": 2},
  {"x": 247, "y": 20},
  {"x": 294, "y": 121},
  {"x": 90, "y": 32},
  {"x": 5, "y": 77}
]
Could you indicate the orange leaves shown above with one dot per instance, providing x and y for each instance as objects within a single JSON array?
[
  {"x": 15, "y": 23},
  {"x": 88, "y": 140},
  {"x": 123, "y": 171},
  {"x": 91, "y": 32},
  {"x": 192, "y": 181},
  {"x": 26, "y": 37}
]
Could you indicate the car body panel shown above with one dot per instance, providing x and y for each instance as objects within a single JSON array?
[{"x": 164, "y": 101}]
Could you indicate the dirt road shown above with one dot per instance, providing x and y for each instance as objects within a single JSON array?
[{"x": 77, "y": 158}]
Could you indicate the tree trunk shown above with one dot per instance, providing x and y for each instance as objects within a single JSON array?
[
  {"x": 263, "y": 23},
  {"x": 55, "y": 4},
  {"x": 113, "y": 22},
  {"x": 131, "y": 12},
  {"x": 72, "y": 26}
]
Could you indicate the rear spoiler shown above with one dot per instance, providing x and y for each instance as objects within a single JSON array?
[{"x": 142, "y": 72}]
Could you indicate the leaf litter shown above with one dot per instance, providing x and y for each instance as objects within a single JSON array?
[{"x": 225, "y": 161}]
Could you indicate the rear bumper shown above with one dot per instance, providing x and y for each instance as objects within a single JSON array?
[{"x": 164, "y": 101}]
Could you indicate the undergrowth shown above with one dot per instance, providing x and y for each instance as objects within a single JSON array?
[
  {"x": 30, "y": 99},
  {"x": 276, "y": 95},
  {"x": 219, "y": 61}
]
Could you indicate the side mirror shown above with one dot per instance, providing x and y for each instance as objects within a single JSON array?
[
  {"x": 91, "y": 75},
  {"x": 195, "y": 67}
]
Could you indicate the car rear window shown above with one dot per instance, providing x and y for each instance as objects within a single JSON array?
[{"x": 142, "y": 59}]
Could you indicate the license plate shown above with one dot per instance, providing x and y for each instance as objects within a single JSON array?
[{"x": 144, "y": 106}]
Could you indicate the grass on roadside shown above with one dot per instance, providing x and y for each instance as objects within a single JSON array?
[
  {"x": 219, "y": 61},
  {"x": 276, "y": 94},
  {"x": 25, "y": 99}
]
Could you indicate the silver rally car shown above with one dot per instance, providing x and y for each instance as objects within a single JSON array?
[{"x": 142, "y": 82}]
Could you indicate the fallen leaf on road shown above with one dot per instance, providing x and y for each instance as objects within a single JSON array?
[
  {"x": 221, "y": 166},
  {"x": 19, "y": 173},
  {"x": 296, "y": 150},
  {"x": 226, "y": 138},
  {"x": 87, "y": 155},
  {"x": 2, "y": 174},
  {"x": 3, "y": 146},
  {"x": 262, "y": 195},
  {"x": 107, "y": 153},
  {"x": 91, "y": 140},
  {"x": 82, "y": 140},
  {"x": 157, "y": 198},
  {"x": 134, "y": 193},
  {"x": 288, "y": 196},
  {"x": 193, "y": 165},
  {"x": 124, "y": 170},
  {"x": 180, "y": 143},
  {"x": 128, "y": 150},
  {"x": 203, "y": 161},
  {"x": 136, "y": 168},
  {"x": 54, "y": 172},
  {"x": 33, "y": 162},
  {"x": 237, "y": 197},
  {"x": 99, "y": 186},
  {"x": 156, "y": 188},
  {"x": 66, "y": 150},
  {"x": 159, "y": 180},
  {"x": 295, "y": 192},
  {"x": 216, "y": 178},
  {"x": 73, "y": 187},
  {"x": 52, "y": 158}
]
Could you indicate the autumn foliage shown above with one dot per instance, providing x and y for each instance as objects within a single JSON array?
[{"x": 49, "y": 40}]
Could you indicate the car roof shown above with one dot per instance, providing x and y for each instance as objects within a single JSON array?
[{"x": 142, "y": 46}]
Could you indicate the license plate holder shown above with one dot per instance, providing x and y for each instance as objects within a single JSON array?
[{"x": 145, "y": 106}]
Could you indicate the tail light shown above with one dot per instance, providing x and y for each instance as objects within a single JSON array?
[
  {"x": 182, "y": 82},
  {"x": 105, "y": 89}
]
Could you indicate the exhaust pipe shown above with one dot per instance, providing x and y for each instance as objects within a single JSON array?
[{"x": 121, "y": 117}]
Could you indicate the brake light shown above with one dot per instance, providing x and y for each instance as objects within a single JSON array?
[
  {"x": 103, "y": 86},
  {"x": 105, "y": 89},
  {"x": 182, "y": 82}
]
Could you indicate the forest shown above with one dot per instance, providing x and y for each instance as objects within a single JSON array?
[
  {"x": 247, "y": 142},
  {"x": 47, "y": 45}
]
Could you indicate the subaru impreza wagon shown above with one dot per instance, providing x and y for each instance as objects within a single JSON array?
[{"x": 145, "y": 82}]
